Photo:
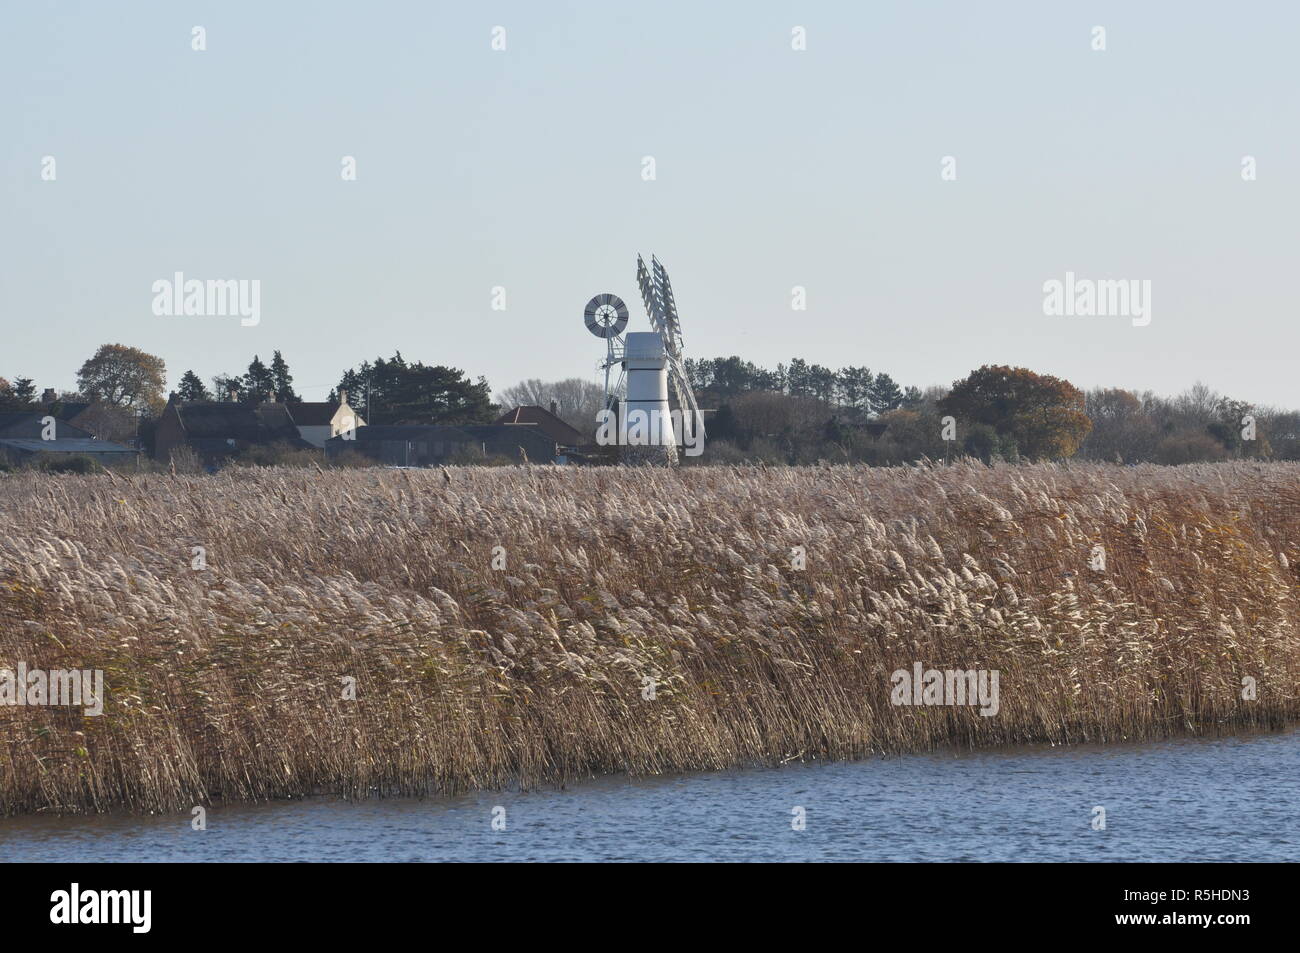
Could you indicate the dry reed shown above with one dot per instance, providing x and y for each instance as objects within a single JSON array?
[{"x": 226, "y": 683}]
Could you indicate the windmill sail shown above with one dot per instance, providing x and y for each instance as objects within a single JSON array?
[
  {"x": 661, "y": 307},
  {"x": 650, "y": 296},
  {"x": 672, "y": 323}
]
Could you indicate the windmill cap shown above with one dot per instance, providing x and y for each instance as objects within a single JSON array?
[{"x": 643, "y": 346}]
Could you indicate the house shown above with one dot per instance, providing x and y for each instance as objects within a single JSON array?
[
  {"x": 71, "y": 412},
  {"x": 317, "y": 421},
  {"x": 38, "y": 425},
  {"x": 25, "y": 437},
  {"x": 219, "y": 429},
  {"x": 94, "y": 418},
  {"x": 102, "y": 420},
  {"x": 417, "y": 445},
  {"x": 530, "y": 415}
]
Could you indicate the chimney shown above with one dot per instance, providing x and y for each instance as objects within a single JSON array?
[
  {"x": 270, "y": 397},
  {"x": 554, "y": 408},
  {"x": 48, "y": 396},
  {"x": 343, "y": 396},
  {"x": 232, "y": 395}
]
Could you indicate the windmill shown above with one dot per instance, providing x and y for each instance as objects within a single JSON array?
[
  {"x": 657, "y": 293},
  {"x": 650, "y": 361}
]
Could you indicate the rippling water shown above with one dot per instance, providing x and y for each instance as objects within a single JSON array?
[{"x": 1208, "y": 800}]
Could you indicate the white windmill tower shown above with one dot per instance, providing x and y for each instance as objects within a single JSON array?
[{"x": 651, "y": 362}]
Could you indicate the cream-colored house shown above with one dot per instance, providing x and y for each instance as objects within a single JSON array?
[{"x": 318, "y": 421}]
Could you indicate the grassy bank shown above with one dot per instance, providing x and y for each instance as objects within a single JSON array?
[{"x": 227, "y": 682}]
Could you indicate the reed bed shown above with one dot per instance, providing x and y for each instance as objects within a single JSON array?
[{"x": 226, "y": 683}]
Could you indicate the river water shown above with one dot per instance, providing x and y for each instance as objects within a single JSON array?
[{"x": 1225, "y": 799}]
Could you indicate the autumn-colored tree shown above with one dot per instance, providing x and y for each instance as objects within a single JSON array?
[
  {"x": 1044, "y": 415},
  {"x": 124, "y": 377}
]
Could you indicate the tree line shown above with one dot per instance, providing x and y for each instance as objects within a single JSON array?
[
  {"x": 800, "y": 412},
  {"x": 856, "y": 388},
  {"x": 803, "y": 413},
  {"x": 383, "y": 391},
  {"x": 127, "y": 389}
]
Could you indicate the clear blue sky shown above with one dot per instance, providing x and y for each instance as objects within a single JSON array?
[{"x": 775, "y": 168}]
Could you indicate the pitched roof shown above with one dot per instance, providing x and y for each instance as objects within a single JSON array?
[
  {"x": 545, "y": 421},
  {"x": 29, "y": 424},
  {"x": 9, "y": 418},
  {"x": 227, "y": 420},
  {"x": 65, "y": 411},
  {"x": 310, "y": 413}
]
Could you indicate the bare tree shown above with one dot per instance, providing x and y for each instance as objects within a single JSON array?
[
  {"x": 577, "y": 401},
  {"x": 1197, "y": 405}
]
